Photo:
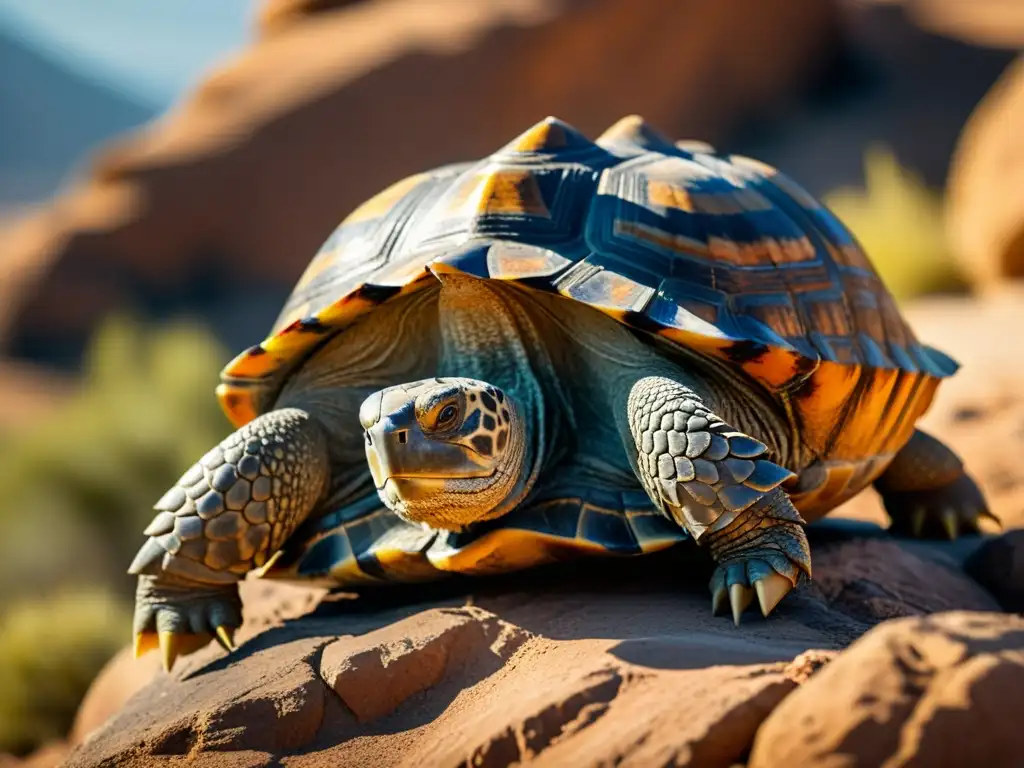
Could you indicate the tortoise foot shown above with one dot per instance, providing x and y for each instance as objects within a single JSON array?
[
  {"x": 950, "y": 511},
  {"x": 738, "y": 582},
  {"x": 180, "y": 619},
  {"x": 762, "y": 552}
]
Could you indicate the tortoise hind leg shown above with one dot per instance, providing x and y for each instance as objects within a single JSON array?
[{"x": 927, "y": 492}]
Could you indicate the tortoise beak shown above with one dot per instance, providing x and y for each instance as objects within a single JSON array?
[
  {"x": 386, "y": 442},
  {"x": 398, "y": 450}
]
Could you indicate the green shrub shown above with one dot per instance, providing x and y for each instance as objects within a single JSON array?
[
  {"x": 51, "y": 650},
  {"x": 80, "y": 486},
  {"x": 78, "y": 489},
  {"x": 899, "y": 221}
]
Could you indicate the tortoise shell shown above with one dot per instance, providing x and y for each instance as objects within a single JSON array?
[{"x": 724, "y": 256}]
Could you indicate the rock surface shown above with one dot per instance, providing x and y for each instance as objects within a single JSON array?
[
  {"x": 545, "y": 667},
  {"x": 121, "y": 678},
  {"x": 216, "y": 208},
  {"x": 937, "y": 690}
]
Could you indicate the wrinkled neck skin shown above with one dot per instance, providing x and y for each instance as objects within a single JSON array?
[
  {"x": 487, "y": 335},
  {"x": 394, "y": 344}
]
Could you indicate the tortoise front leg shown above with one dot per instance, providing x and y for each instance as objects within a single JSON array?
[
  {"x": 926, "y": 490},
  {"x": 227, "y": 515},
  {"x": 719, "y": 484}
]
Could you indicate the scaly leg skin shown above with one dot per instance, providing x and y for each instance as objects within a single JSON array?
[
  {"x": 227, "y": 515},
  {"x": 927, "y": 492},
  {"x": 719, "y": 484}
]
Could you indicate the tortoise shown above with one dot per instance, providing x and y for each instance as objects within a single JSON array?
[{"x": 569, "y": 347}]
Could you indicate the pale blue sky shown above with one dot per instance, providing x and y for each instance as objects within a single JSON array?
[{"x": 152, "y": 49}]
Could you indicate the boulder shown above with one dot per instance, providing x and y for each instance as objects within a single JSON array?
[
  {"x": 117, "y": 682},
  {"x": 934, "y": 690},
  {"x": 584, "y": 663}
]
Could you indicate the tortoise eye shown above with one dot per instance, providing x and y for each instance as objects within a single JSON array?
[{"x": 447, "y": 416}]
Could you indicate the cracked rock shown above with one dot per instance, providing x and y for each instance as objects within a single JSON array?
[{"x": 374, "y": 673}]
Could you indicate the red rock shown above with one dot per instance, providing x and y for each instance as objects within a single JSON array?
[
  {"x": 873, "y": 580},
  {"x": 807, "y": 664},
  {"x": 937, "y": 690},
  {"x": 998, "y": 565},
  {"x": 234, "y": 190},
  {"x": 117, "y": 682},
  {"x": 983, "y": 22},
  {"x": 589, "y": 663},
  {"x": 374, "y": 673},
  {"x": 279, "y": 711}
]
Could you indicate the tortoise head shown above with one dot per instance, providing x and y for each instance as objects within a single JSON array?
[{"x": 444, "y": 452}]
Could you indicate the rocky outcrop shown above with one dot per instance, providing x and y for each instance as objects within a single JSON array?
[
  {"x": 373, "y": 674},
  {"x": 216, "y": 208},
  {"x": 622, "y": 660},
  {"x": 937, "y": 690},
  {"x": 594, "y": 662},
  {"x": 986, "y": 189}
]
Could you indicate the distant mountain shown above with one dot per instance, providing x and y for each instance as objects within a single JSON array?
[{"x": 50, "y": 118}]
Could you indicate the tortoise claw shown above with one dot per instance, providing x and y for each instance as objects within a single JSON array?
[
  {"x": 917, "y": 521},
  {"x": 986, "y": 514},
  {"x": 225, "y": 637},
  {"x": 767, "y": 574},
  {"x": 950, "y": 523},
  {"x": 740, "y": 597},
  {"x": 719, "y": 598},
  {"x": 948, "y": 512},
  {"x": 770, "y": 590},
  {"x": 169, "y": 649},
  {"x": 180, "y": 621},
  {"x": 144, "y": 643}
]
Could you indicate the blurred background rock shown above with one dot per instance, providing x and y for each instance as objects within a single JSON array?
[{"x": 167, "y": 170}]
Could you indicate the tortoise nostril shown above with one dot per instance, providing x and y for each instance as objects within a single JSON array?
[
  {"x": 369, "y": 440},
  {"x": 403, "y": 436}
]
